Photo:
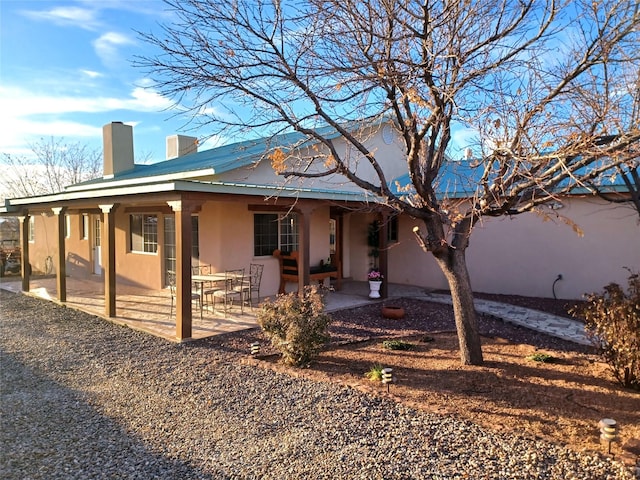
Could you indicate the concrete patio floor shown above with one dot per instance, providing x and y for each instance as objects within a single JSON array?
[{"x": 150, "y": 310}]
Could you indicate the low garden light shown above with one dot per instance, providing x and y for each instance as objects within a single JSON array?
[
  {"x": 608, "y": 431},
  {"x": 387, "y": 377},
  {"x": 255, "y": 348}
]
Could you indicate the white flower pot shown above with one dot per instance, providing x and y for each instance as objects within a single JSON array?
[{"x": 374, "y": 287}]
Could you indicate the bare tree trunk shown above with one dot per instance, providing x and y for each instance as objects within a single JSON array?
[{"x": 454, "y": 266}]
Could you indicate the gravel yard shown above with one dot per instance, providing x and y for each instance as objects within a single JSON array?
[{"x": 83, "y": 398}]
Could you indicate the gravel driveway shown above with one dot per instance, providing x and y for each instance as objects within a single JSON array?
[{"x": 83, "y": 398}]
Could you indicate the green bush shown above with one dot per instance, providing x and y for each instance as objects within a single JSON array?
[
  {"x": 613, "y": 325},
  {"x": 542, "y": 357},
  {"x": 296, "y": 325},
  {"x": 397, "y": 345}
]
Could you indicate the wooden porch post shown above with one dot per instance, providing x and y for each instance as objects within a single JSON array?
[
  {"x": 184, "y": 316},
  {"x": 61, "y": 260},
  {"x": 304, "y": 278},
  {"x": 108, "y": 247},
  {"x": 24, "y": 251},
  {"x": 383, "y": 263}
]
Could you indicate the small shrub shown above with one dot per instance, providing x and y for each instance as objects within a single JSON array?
[
  {"x": 397, "y": 345},
  {"x": 296, "y": 325},
  {"x": 375, "y": 374},
  {"x": 542, "y": 357},
  {"x": 613, "y": 326}
]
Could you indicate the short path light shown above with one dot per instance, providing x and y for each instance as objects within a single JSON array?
[
  {"x": 387, "y": 377},
  {"x": 608, "y": 431},
  {"x": 255, "y": 348}
]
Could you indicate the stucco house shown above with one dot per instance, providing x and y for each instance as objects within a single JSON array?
[{"x": 226, "y": 207}]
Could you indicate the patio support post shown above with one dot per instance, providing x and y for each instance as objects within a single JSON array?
[
  {"x": 108, "y": 247},
  {"x": 305, "y": 211},
  {"x": 383, "y": 262},
  {"x": 184, "y": 316},
  {"x": 24, "y": 251},
  {"x": 61, "y": 259}
]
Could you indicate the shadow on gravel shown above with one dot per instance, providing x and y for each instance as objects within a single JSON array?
[{"x": 49, "y": 431}]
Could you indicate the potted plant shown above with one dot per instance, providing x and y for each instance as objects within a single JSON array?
[{"x": 375, "y": 281}]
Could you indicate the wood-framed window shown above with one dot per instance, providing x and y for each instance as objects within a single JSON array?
[
  {"x": 143, "y": 233},
  {"x": 273, "y": 231}
]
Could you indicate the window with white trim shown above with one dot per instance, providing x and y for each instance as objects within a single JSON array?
[
  {"x": 144, "y": 233},
  {"x": 67, "y": 226},
  {"x": 273, "y": 231},
  {"x": 32, "y": 229},
  {"x": 84, "y": 225}
]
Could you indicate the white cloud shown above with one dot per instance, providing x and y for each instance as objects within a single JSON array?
[
  {"x": 91, "y": 73},
  {"x": 66, "y": 16},
  {"x": 106, "y": 46},
  {"x": 28, "y": 114}
]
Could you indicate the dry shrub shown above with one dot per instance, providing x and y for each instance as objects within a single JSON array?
[
  {"x": 296, "y": 325},
  {"x": 613, "y": 326}
]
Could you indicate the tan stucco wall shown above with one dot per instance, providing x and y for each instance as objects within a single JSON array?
[
  {"x": 390, "y": 157},
  {"x": 521, "y": 255},
  {"x": 408, "y": 264},
  {"x": 524, "y": 255}
]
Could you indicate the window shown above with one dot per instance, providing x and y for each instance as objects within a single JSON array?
[
  {"x": 84, "y": 227},
  {"x": 67, "y": 226},
  {"x": 195, "y": 235},
  {"x": 273, "y": 231},
  {"x": 392, "y": 230},
  {"x": 144, "y": 233},
  {"x": 32, "y": 229}
]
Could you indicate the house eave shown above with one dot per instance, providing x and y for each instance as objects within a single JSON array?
[{"x": 17, "y": 205}]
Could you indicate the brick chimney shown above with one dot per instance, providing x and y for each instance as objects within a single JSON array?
[
  {"x": 117, "y": 141},
  {"x": 180, "y": 145}
]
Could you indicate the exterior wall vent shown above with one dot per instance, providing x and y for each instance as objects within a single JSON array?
[{"x": 180, "y": 145}]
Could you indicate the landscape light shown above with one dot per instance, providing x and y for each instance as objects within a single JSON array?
[
  {"x": 387, "y": 377},
  {"x": 255, "y": 348},
  {"x": 608, "y": 431}
]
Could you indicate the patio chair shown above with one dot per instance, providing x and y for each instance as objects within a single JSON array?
[
  {"x": 251, "y": 284},
  {"x": 195, "y": 296},
  {"x": 232, "y": 289}
]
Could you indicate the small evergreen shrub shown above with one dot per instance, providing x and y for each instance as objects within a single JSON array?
[
  {"x": 613, "y": 326},
  {"x": 397, "y": 345},
  {"x": 296, "y": 325}
]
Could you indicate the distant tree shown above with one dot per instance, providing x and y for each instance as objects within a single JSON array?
[
  {"x": 53, "y": 166},
  {"x": 544, "y": 85}
]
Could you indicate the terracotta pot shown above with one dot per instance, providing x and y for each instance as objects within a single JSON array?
[{"x": 393, "y": 312}]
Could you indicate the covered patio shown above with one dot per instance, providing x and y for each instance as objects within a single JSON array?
[{"x": 150, "y": 310}]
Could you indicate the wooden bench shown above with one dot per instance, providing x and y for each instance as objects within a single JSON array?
[{"x": 289, "y": 270}]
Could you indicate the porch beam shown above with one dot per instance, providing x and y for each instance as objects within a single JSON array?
[
  {"x": 184, "y": 313},
  {"x": 61, "y": 259},
  {"x": 108, "y": 249},
  {"x": 383, "y": 258},
  {"x": 304, "y": 276},
  {"x": 25, "y": 266}
]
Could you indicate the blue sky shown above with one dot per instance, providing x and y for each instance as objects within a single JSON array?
[{"x": 65, "y": 71}]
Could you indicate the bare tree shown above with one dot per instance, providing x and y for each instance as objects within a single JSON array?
[
  {"x": 53, "y": 166},
  {"x": 537, "y": 81}
]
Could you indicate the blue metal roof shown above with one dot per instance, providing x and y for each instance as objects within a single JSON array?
[{"x": 460, "y": 178}]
